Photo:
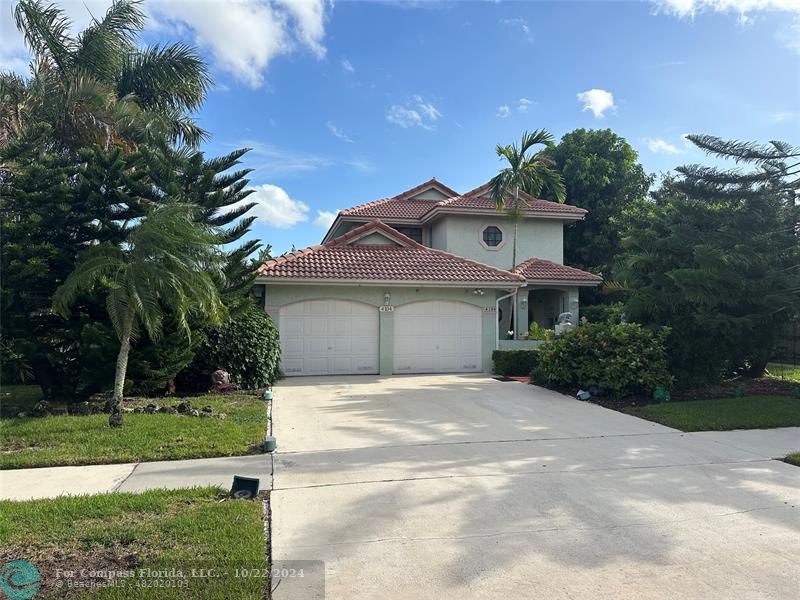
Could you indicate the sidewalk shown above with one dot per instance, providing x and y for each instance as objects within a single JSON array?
[{"x": 49, "y": 482}]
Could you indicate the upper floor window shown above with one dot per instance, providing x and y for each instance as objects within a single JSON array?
[
  {"x": 492, "y": 236},
  {"x": 415, "y": 233}
]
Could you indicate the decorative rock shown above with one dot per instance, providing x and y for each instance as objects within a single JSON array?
[
  {"x": 184, "y": 407},
  {"x": 127, "y": 410},
  {"x": 205, "y": 414},
  {"x": 138, "y": 409},
  {"x": 207, "y": 409},
  {"x": 221, "y": 416},
  {"x": 150, "y": 409},
  {"x": 22, "y": 415},
  {"x": 81, "y": 408},
  {"x": 42, "y": 409},
  {"x": 194, "y": 412},
  {"x": 171, "y": 410}
]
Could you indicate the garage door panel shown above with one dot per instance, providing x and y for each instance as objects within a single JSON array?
[
  {"x": 437, "y": 337},
  {"x": 329, "y": 337}
]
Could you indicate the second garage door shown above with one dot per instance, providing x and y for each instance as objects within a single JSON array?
[
  {"x": 329, "y": 337},
  {"x": 437, "y": 337}
]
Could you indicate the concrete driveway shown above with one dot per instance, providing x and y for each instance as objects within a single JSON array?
[{"x": 463, "y": 487}]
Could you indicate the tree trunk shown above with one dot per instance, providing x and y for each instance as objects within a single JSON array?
[{"x": 115, "y": 418}]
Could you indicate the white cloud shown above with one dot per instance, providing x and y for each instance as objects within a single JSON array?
[
  {"x": 274, "y": 207},
  {"x": 325, "y": 218},
  {"x": 782, "y": 116},
  {"x": 597, "y": 101},
  {"x": 271, "y": 161},
  {"x": 360, "y": 164},
  {"x": 520, "y": 24},
  {"x": 338, "y": 132},
  {"x": 347, "y": 66},
  {"x": 241, "y": 36},
  {"x": 787, "y": 35},
  {"x": 523, "y": 104},
  {"x": 743, "y": 8},
  {"x": 659, "y": 146},
  {"x": 416, "y": 113},
  {"x": 503, "y": 111}
]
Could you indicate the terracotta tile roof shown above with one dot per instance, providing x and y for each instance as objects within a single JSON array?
[
  {"x": 399, "y": 206},
  {"x": 478, "y": 199},
  {"x": 539, "y": 269},
  {"x": 409, "y": 261},
  {"x": 389, "y": 208}
]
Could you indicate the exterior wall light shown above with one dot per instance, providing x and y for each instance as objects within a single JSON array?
[
  {"x": 478, "y": 292},
  {"x": 387, "y": 298}
]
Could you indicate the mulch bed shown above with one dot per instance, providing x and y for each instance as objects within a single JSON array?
[{"x": 764, "y": 386}]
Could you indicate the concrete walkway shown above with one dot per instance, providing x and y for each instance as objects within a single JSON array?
[
  {"x": 25, "y": 484},
  {"x": 464, "y": 487}
]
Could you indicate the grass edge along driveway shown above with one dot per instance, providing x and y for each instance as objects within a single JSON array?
[
  {"x": 724, "y": 414},
  {"x": 88, "y": 440}
]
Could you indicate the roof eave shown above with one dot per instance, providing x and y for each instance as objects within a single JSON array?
[
  {"x": 556, "y": 216},
  {"x": 264, "y": 279},
  {"x": 572, "y": 282}
]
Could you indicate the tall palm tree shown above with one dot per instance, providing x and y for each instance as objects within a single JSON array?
[
  {"x": 98, "y": 86},
  {"x": 530, "y": 173},
  {"x": 166, "y": 264}
]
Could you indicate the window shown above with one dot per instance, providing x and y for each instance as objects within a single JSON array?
[
  {"x": 415, "y": 233},
  {"x": 492, "y": 236}
]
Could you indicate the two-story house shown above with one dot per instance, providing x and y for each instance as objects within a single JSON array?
[{"x": 421, "y": 282}]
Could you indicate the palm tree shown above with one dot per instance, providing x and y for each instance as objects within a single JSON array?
[
  {"x": 528, "y": 173},
  {"x": 98, "y": 86},
  {"x": 166, "y": 264}
]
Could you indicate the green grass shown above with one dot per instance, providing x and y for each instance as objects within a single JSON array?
[
  {"x": 783, "y": 371},
  {"x": 793, "y": 459},
  {"x": 748, "y": 412},
  {"x": 159, "y": 529},
  {"x": 76, "y": 440}
]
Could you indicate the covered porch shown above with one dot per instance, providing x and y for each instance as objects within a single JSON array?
[{"x": 551, "y": 290}]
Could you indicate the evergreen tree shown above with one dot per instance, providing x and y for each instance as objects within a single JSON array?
[{"x": 716, "y": 257}]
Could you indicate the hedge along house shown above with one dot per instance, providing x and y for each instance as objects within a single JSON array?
[{"x": 420, "y": 283}]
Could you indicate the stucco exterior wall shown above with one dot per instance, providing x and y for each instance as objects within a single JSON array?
[
  {"x": 439, "y": 235},
  {"x": 278, "y": 295},
  {"x": 540, "y": 238}
]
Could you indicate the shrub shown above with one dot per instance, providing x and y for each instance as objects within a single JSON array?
[
  {"x": 622, "y": 358},
  {"x": 247, "y": 347},
  {"x": 537, "y": 332},
  {"x": 603, "y": 313},
  {"x": 514, "y": 362}
]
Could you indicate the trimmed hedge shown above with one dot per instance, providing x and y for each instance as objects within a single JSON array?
[
  {"x": 247, "y": 347},
  {"x": 514, "y": 362},
  {"x": 622, "y": 359}
]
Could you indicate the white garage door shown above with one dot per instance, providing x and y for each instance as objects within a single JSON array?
[
  {"x": 437, "y": 337},
  {"x": 329, "y": 337}
]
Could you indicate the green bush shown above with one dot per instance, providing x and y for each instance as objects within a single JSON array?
[
  {"x": 247, "y": 347},
  {"x": 623, "y": 359},
  {"x": 514, "y": 362},
  {"x": 603, "y": 313}
]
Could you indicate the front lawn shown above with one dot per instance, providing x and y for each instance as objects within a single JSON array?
[
  {"x": 85, "y": 440},
  {"x": 747, "y": 412},
  {"x": 130, "y": 533},
  {"x": 784, "y": 371}
]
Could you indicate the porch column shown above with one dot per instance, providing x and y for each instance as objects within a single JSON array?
[{"x": 522, "y": 323}]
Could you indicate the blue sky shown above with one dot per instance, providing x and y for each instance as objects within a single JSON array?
[{"x": 349, "y": 102}]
